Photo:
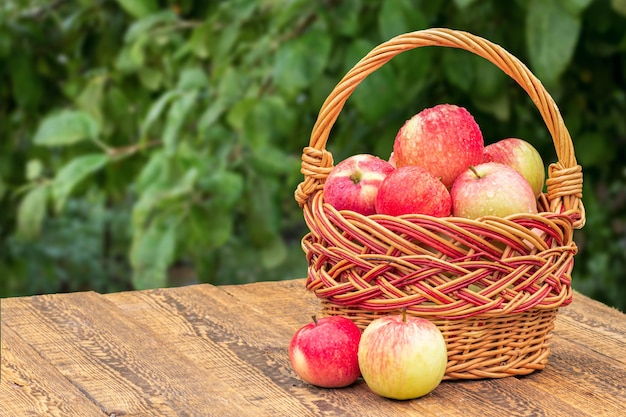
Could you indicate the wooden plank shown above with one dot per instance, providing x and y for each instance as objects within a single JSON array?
[
  {"x": 279, "y": 310},
  {"x": 208, "y": 331},
  {"x": 594, "y": 325},
  {"x": 211, "y": 323},
  {"x": 31, "y": 386},
  {"x": 124, "y": 367},
  {"x": 587, "y": 323},
  {"x": 593, "y": 383}
]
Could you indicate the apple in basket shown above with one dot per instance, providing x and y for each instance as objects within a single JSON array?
[
  {"x": 402, "y": 357},
  {"x": 492, "y": 189},
  {"x": 353, "y": 183},
  {"x": 444, "y": 139},
  {"x": 412, "y": 189},
  {"x": 324, "y": 352},
  {"x": 521, "y": 155}
]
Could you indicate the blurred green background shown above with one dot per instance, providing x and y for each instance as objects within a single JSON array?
[{"x": 149, "y": 143}]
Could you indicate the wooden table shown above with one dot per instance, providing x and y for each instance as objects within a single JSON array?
[{"x": 222, "y": 351}]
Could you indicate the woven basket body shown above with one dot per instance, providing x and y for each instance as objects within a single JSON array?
[{"x": 493, "y": 285}]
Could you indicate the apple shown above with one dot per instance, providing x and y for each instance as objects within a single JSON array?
[
  {"x": 444, "y": 139},
  {"x": 521, "y": 155},
  {"x": 491, "y": 188},
  {"x": 402, "y": 357},
  {"x": 392, "y": 160},
  {"x": 325, "y": 352},
  {"x": 413, "y": 190},
  {"x": 353, "y": 183}
]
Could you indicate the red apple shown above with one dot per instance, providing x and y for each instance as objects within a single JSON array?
[
  {"x": 522, "y": 156},
  {"x": 444, "y": 139},
  {"x": 353, "y": 183},
  {"x": 413, "y": 190},
  {"x": 402, "y": 357},
  {"x": 492, "y": 189},
  {"x": 325, "y": 352}
]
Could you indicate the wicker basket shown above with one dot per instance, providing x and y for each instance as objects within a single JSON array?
[{"x": 493, "y": 286}]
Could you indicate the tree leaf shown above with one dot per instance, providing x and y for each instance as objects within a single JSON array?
[
  {"x": 212, "y": 113},
  {"x": 551, "y": 35},
  {"x": 224, "y": 186},
  {"x": 26, "y": 83},
  {"x": 273, "y": 253},
  {"x": 463, "y": 4},
  {"x": 73, "y": 173},
  {"x": 458, "y": 66},
  {"x": 154, "y": 173},
  {"x": 139, "y": 8},
  {"x": 231, "y": 85},
  {"x": 156, "y": 110},
  {"x": 575, "y": 7},
  {"x": 346, "y": 15},
  {"x": 218, "y": 227},
  {"x": 176, "y": 117},
  {"x": 66, "y": 128},
  {"x": 200, "y": 39},
  {"x": 141, "y": 28},
  {"x": 90, "y": 99},
  {"x": 192, "y": 78},
  {"x": 153, "y": 252},
  {"x": 619, "y": 6},
  {"x": 160, "y": 195},
  {"x": 34, "y": 169},
  {"x": 376, "y": 94},
  {"x": 3, "y": 188},
  {"x": 150, "y": 78},
  {"x": 301, "y": 60},
  {"x": 31, "y": 212},
  {"x": 392, "y": 18},
  {"x": 489, "y": 80}
]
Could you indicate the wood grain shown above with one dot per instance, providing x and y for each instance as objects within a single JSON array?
[
  {"x": 222, "y": 351},
  {"x": 31, "y": 386},
  {"x": 125, "y": 369}
]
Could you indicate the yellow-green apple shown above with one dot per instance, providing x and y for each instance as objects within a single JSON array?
[
  {"x": 521, "y": 155},
  {"x": 353, "y": 183},
  {"x": 413, "y": 190},
  {"x": 491, "y": 188},
  {"x": 325, "y": 352},
  {"x": 402, "y": 357},
  {"x": 444, "y": 139}
]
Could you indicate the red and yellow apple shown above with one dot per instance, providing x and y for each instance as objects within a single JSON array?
[
  {"x": 325, "y": 352},
  {"x": 520, "y": 155},
  {"x": 402, "y": 357},
  {"x": 413, "y": 190},
  {"x": 353, "y": 183},
  {"x": 444, "y": 139},
  {"x": 491, "y": 189}
]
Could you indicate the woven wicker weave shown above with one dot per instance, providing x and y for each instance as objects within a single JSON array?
[{"x": 493, "y": 286}]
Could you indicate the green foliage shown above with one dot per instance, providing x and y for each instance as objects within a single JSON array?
[{"x": 142, "y": 138}]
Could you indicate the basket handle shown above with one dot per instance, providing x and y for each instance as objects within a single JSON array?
[{"x": 564, "y": 182}]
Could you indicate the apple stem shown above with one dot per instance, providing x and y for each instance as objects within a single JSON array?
[
  {"x": 404, "y": 314},
  {"x": 474, "y": 171},
  {"x": 314, "y": 319}
]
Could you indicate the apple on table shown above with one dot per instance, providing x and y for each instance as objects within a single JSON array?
[
  {"x": 324, "y": 352},
  {"x": 402, "y": 357}
]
